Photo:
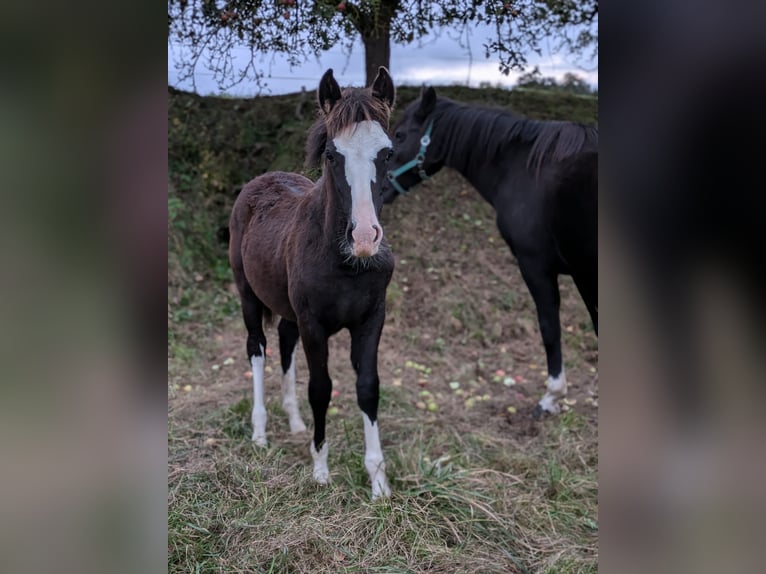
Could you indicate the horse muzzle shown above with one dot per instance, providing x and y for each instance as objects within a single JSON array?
[{"x": 366, "y": 240}]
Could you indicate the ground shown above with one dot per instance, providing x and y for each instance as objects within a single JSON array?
[{"x": 478, "y": 485}]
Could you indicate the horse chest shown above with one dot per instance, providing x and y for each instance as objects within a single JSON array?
[{"x": 337, "y": 301}]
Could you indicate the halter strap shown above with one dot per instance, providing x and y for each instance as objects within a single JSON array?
[{"x": 417, "y": 162}]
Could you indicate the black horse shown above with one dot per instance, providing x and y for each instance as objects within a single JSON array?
[{"x": 542, "y": 179}]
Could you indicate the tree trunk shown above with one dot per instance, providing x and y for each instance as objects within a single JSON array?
[{"x": 377, "y": 52}]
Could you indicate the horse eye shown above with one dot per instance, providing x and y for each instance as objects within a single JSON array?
[
  {"x": 399, "y": 136},
  {"x": 330, "y": 157}
]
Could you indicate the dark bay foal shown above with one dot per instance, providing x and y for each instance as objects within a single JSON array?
[{"x": 315, "y": 254}]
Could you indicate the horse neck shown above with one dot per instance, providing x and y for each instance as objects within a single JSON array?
[
  {"x": 461, "y": 153},
  {"x": 326, "y": 202}
]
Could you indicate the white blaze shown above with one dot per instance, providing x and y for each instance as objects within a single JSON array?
[
  {"x": 259, "y": 405},
  {"x": 360, "y": 146},
  {"x": 373, "y": 459}
]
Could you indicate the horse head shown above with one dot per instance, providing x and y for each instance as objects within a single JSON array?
[
  {"x": 411, "y": 163},
  {"x": 351, "y": 141}
]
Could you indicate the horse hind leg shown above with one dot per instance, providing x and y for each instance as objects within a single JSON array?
[
  {"x": 545, "y": 292},
  {"x": 252, "y": 313},
  {"x": 587, "y": 285},
  {"x": 288, "y": 338}
]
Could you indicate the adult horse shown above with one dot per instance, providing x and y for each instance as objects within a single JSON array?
[
  {"x": 542, "y": 179},
  {"x": 314, "y": 254}
]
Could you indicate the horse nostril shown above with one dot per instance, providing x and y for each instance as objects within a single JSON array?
[
  {"x": 349, "y": 233},
  {"x": 377, "y": 233}
]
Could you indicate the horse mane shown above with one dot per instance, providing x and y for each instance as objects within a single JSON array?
[
  {"x": 491, "y": 130},
  {"x": 559, "y": 141},
  {"x": 355, "y": 105}
]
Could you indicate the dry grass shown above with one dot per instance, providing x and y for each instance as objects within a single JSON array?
[{"x": 464, "y": 500}]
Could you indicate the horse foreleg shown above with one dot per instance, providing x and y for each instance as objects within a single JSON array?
[
  {"x": 545, "y": 291},
  {"x": 364, "y": 358},
  {"x": 320, "y": 389}
]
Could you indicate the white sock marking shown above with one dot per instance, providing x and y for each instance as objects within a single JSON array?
[
  {"x": 289, "y": 400},
  {"x": 259, "y": 404},
  {"x": 557, "y": 388},
  {"x": 321, "y": 472},
  {"x": 373, "y": 459}
]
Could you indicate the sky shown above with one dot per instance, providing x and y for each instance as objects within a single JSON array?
[{"x": 437, "y": 59}]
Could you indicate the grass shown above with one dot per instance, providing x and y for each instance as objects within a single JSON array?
[{"x": 463, "y": 501}]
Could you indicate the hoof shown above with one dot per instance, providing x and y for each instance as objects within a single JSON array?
[
  {"x": 548, "y": 404},
  {"x": 540, "y": 410},
  {"x": 380, "y": 491},
  {"x": 297, "y": 426},
  {"x": 321, "y": 476},
  {"x": 260, "y": 440},
  {"x": 321, "y": 472}
]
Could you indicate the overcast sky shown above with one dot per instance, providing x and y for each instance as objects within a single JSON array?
[{"x": 437, "y": 59}]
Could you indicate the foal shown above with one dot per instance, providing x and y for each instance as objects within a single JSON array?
[{"x": 314, "y": 254}]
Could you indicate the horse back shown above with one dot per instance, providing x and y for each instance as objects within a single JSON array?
[
  {"x": 264, "y": 212},
  {"x": 270, "y": 198}
]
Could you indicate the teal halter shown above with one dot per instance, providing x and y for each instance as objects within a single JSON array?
[{"x": 417, "y": 162}]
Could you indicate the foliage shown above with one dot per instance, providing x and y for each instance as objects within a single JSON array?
[
  {"x": 214, "y": 30},
  {"x": 571, "y": 83}
]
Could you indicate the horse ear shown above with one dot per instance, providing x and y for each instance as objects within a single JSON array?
[
  {"x": 316, "y": 142},
  {"x": 427, "y": 102},
  {"x": 383, "y": 87},
  {"x": 328, "y": 92}
]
